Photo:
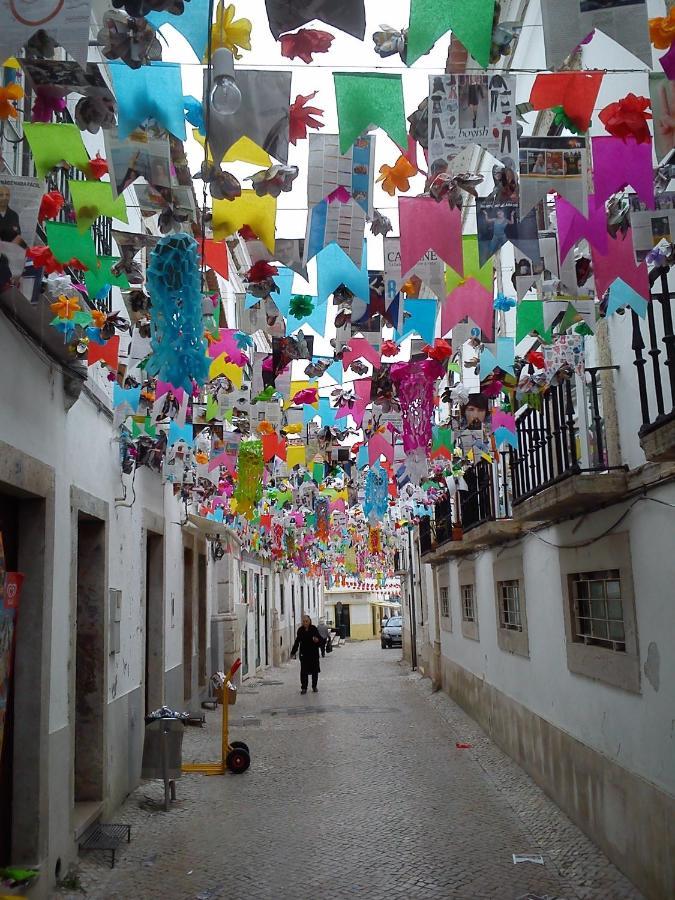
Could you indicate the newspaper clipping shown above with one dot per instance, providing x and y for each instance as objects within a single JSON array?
[
  {"x": 552, "y": 164},
  {"x": 19, "y": 206},
  {"x": 471, "y": 109},
  {"x": 652, "y": 226},
  {"x": 137, "y": 156},
  {"x": 499, "y": 223}
]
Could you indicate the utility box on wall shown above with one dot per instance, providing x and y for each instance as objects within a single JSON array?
[{"x": 115, "y": 612}]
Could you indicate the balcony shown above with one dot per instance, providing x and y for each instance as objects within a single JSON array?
[
  {"x": 474, "y": 518},
  {"x": 560, "y": 468},
  {"x": 656, "y": 376}
]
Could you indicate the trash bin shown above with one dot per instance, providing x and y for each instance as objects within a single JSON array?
[{"x": 163, "y": 754}]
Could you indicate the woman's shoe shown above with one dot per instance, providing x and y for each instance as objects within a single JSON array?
[
  {"x": 303, "y": 690},
  {"x": 315, "y": 690}
]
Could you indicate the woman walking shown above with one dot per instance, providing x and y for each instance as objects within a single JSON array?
[{"x": 308, "y": 641}]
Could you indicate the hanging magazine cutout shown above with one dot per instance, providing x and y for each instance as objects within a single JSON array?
[{"x": 548, "y": 164}]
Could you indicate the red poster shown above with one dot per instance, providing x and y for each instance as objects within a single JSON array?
[{"x": 13, "y": 585}]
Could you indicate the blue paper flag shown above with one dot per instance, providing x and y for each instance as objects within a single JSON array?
[
  {"x": 422, "y": 320},
  {"x": 335, "y": 371},
  {"x": 192, "y": 23},
  {"x": 506, "y": 354},
  {"x": 129, "y": 396},
  {"x": 284, "y": 281},
  {"x": 362, "y": 457},
  {"x": 180, "y": 433},
  {"x": 151, "y": 92},
  {"x": 316, "y": 320},
  {"x": 502, "y": 435},
  {"x": 334, "y": 268},
  {"x": 622, "y": 295}
]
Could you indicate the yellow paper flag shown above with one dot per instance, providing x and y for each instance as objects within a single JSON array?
[
  {"x": 243, "y": 150},
  {"x": 222, "y": 366},
  {"x": 300, "y": 386},
  {"x": 295, "y": 455},
  {"x": 259, "y": 213}
]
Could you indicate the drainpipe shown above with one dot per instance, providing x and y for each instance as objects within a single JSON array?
[
  {"x": 411, "y": 602},
  {"x": 436, "y": 678}
]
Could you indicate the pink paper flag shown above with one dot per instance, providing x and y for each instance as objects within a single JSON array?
[
  {"x": 503, "y": 420},
  {"x": 471, "y": 299},
  {"x": 619, "y": 262},
  {"x": 378, "y": 446},
  {"x": 226, "y": 343},
  {"x": 228, "y": 460},
  {"x": 617, "y": 163},
  {"x": 361, "y": 400},
  {"x": 426, "y": 225},
  {"x": 360, "y": 348},
  {"x": 573, "y": 225},
  {"x": 163, "y": 387},
  {"x": 668, "y": 63}
]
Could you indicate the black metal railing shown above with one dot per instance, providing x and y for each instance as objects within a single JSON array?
[
  {"x": 425, "y": 534},
  {"x": 656, "y": 376}
]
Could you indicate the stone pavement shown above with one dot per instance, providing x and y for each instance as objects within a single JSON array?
[{"x": 357, "y": 791}]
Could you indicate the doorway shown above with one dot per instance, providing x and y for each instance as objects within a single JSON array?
[
  {"x": 188, "y": 628},
  {"x": 154, "y": 621},
  {"x": 201, "y": 621},
  {"x": 342, "y": 621},
  {"x": 90, "y": 662},
  {"x": 266, "y": 614},
  {"x": 9, "y": 534},
  {"x": 256, "y": 599},
  {"x": 244, "y": 599}
]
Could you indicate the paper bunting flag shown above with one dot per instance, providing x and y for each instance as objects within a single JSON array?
[
  {"x": 426, "y": 225},
  {"x": 215, "y": 256},
  {"x": 430, "y": 271},
  {"x": 126, "y": 397},
  {"x": 263, "y": 116},
  {"x": 505, "y": 436},
  {"x": 576, "y": 92},
  {"x": 552, "y": 311},
  {"x": 379, "y": 446},
  {"x": 221, "y": 365},
  {"x": 151, "y": 92},
  {"x": 619, "y": 262},
  {"x": 66, "y": 21},
  {"x": 469, "y": 20},
  {"x": 298, "y": 387},
  {"x": 328, "y": 170},
  {"x": 469, "y": 294},
  {"x": 504, "y": 428},
  {"x": 617, "y": 163},
  {"x": 573, "y": 225},
  {"x": 296, "y": 455},
  {"x": 553, "y": 164},
  {"x": 326, "y": 412},
  {"x": 348, "y": 15},
  {"x": 51, "y": 144},
  {"x": 107, "y": 353},
  {"x": 259, "y": 213},
  {"x": 568, "y": 22},
  {"x": 334, "y": 268},
  {"x": 622, "y": 295},
  {"x": 273, "y": 445},
  {"x": 316, "y": 319},
  {"x": 226, "y": 342},
  {"x": 662, "y": 95},
  {"x": 421, "y": 320},
  {"x": 92, "y": 199},
  {"x": 97, "y": 279},
  {"x": 362, "y": 389},
  {"x": 66, "y": 243},
  {"x": 243, "y": 150},
  {"x": 369, "y": 99},
  {"x": 442, "y": 444},
  {"x": 192, "y": 23},
  {"x": 360, "y": 348},
  {"x": 343, "y": 224},
  {"x": 504, "y": 358},
  {"x": 180, "y": 434},
  {"x": 529, "y": 318}
]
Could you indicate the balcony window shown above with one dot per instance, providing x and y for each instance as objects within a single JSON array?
[
  {"x": 445, "y": 602},
  {"x": 509, "y": 608},
  {"x": 468, "y": 603}
]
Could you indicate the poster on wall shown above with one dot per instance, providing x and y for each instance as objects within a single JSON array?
[
  {"x": 19, "y": 206},
  {"x": 471, "y": 109},
  {"x": 67, "y": 21}
]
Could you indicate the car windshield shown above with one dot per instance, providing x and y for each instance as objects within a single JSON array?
[{"x": 395, "y": 622}]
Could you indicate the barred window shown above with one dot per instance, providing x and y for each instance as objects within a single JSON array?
[
  {"x": 598, "y": 609},
  {"x": 445, "y": 602},
  {"x": 468, "y": 603},
  {"x": 509, "y": 606}
]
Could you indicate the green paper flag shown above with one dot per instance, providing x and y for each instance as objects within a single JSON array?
[
  {"x": 365, "y": 99},
  {"x": 96, "y": 279},
  {"x": 530, "y": 317},
  {"x": 66, "y": 243},
  {"x": 469, "y": 20},
  {"x": 92, "y": 199},
  {"x": 52, "y": 144},
  {"x": 211, "y": 408}
]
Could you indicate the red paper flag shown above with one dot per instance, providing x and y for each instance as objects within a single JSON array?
[
  {"x": 215, "y": 256},
  {"x": 576, "y": 92},
  {"x": 107, "y": 353}
]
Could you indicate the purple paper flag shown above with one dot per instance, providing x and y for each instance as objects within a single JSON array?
[
  {"x": 619, "y": 262},
  {"x": 617, "y": 163},
  {"x": 573, "y": 225},
  {"x": 426, "y": 225},
  {"x": 470, "y": 299}
]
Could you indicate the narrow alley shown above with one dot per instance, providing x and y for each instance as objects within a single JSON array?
[{"x": 357, "y": 791}]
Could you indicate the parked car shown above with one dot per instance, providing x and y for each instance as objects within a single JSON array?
[{"x": 391, "y": 633}]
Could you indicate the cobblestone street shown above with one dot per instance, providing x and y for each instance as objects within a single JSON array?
[{"x": 326, "y": 809}]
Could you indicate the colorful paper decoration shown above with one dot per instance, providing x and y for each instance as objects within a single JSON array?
[
  {"x": 99, "y": 278},
  {"x": 259, "y": 213},
  {"x": 504, "y": 358},
  {"x": 263, "y": 115},
  {"x": 504, "y": 428},
  {"x": 302, "y": 117},
  {"x": 92, "y": 199},
  {"x": 622, "y": 295},
  {"x": 529, "y": 318},
  {"x": 178, "y": 344},
  {"x": 469, "y": 20},
  {"x": 627, "y": 118},
  {"x": 304, "y": 43},
  {"x": 249, "y": 477},
  {"x": 619, "y": 262},
  {"x": 617, "y": 163},
  {"x": 360, "y": 348},
  {"x": 362, "y": 390},
  {"x": 229, "y": 33},
  {"x": 576, "y": 92},
  {"x": 573, "y": 225},
  {"x": 107, "y": 353},
  {"x": 376, "y": 500},
  {"x": 66, "y": 23},
  {"x": 397, "y": 177},
  {"x": 51, "y": 144},
  {"x": 151, "y": 92},
  {"x": 334, "y": 268},
  {"x": 369, "y": 98},
  {"x": 348, "y": 15},
  {"x": 192, "y": 23},
  {"x": 426, "y": 225},
  {"x": 421, "y": 321},
  {"x": 215, "y": 256},
  {"x": 66, "y": 243},
  {"x": 469, "y": 294}
]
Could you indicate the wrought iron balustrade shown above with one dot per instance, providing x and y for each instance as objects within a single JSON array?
[{"x": 656, "y": 375}]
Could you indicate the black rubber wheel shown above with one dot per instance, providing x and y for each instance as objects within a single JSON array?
[
  {"x": 384, "y": 646},
  {"x": 240, "y": 745},
  {"x": 238, "y": 761}
]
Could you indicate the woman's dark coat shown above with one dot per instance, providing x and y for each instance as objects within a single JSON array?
[{"x": 309, "y": 651}]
